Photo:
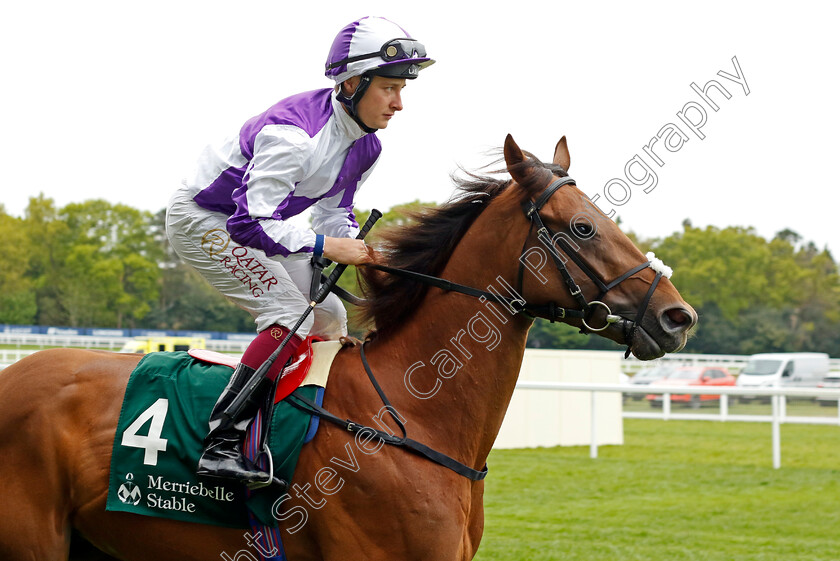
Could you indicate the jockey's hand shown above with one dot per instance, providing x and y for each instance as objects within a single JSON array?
[{"x": 349, "y": 251}]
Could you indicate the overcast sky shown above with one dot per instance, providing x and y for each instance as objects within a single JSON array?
[{"x": 114, "y": 99}]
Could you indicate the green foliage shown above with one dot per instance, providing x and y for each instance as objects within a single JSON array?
[
  {"x": 99, "y": 264},
  {"x": 87, "y": 264},
  {"x": 17, "y": 297},
  {"x": 187, "y": 301},
  {"x": 733, "y": 267},
  {"x": 754, "y": 295}
]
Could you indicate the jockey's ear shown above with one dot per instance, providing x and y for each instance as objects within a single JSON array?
[
  {"x": 561, "y": 154},
  {"x": 348, "y": 86}
]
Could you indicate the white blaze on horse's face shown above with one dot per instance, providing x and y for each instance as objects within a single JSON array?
[{"x": 622, "y": 294}]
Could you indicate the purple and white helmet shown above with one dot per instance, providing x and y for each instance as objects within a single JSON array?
[{"x": 375, "y": 45}]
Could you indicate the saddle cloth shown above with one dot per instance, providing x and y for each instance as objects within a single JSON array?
[{"x": 162, "y": 425}]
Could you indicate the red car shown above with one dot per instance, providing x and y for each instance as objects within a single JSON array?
[{"x": 693, "y": 376}]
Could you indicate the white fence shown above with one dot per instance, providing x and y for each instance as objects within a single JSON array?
[
  {"x": 45, "y": 341},
  {"x": 98, "y": 342},
  {"x": 734, "y": 363},
  {"x": 778, "y": 397},
  {"x": 7, "y": 357}
]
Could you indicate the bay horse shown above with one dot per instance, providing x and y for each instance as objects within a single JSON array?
[{"x": 447, "y": 361}]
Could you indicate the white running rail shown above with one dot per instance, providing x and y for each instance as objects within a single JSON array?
[{"x": 777, "y": 395}]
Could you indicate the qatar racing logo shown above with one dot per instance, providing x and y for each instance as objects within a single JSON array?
[
  {"x": 213, "y": 242},
  {"x": 129, "y": 493},
  {"x": 239, "y": 261}
]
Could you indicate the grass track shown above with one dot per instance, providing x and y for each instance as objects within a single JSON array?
[{"x": 676, "y": 490}]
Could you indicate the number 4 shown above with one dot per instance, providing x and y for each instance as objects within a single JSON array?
[{"x": 151, "y": 443}]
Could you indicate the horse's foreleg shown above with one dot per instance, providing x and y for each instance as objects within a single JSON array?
[{"x": 475, "y": 522}]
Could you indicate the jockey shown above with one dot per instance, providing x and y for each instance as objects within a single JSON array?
[{"x": 229, "y": 220}]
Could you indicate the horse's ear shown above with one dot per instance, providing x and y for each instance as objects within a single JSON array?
[
  {"x": 561, "y": 154},
  {"x": 513, "y": 157}
]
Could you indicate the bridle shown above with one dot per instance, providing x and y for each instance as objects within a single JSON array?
[
  {"x": 550, "y": 311},
  {"x": 549, "y": 238}
]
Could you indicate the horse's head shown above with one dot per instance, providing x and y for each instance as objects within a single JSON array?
[{"x": 576, "y": 265}]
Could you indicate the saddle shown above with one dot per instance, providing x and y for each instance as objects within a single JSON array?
[{"x": 163, "y": 422}]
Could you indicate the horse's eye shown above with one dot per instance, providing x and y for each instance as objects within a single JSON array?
[{"x": 583, "y": 229}]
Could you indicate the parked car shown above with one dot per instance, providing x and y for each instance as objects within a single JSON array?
[
  {"x": 831, "y": 381},
  {"x": 783, "y": 369},
  {"x": 693, "y": 376},
  {"x": 648, "y": 375}
]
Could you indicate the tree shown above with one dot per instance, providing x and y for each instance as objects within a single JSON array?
[
  {"x": 48, "y": 237},
  {"x": 753, "y": 295},
  {"x": 546, "y": 335},
  {"x": 92, "y": 263},
  {"x": 17, "y": 290}
]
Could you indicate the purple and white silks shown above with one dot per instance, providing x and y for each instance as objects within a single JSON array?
[{"x": 303, "y": 152}]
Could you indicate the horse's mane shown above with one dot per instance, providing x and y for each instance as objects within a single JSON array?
[{"x": 427, "y": 242}]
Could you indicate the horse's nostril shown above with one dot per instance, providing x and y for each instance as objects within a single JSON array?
[{"x": 677, "y": 320}]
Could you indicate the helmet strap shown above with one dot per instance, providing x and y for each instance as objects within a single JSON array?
[{"x": 352, "y": 102}]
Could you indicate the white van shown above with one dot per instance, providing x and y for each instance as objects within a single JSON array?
[{"x": 784, "y": 369}]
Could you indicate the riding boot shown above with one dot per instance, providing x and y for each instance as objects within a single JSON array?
[{"x": 223, "y": 455}]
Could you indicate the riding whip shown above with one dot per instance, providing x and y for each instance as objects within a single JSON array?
[{"x": 241, "y": 399}]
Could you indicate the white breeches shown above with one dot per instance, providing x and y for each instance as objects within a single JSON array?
[{"x": 271, "y": 289}]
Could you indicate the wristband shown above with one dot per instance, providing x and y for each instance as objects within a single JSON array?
[{"x": 318, "y": 250}]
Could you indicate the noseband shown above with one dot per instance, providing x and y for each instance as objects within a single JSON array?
[
  {"x": 549, "y": 238},
  {"x": 551, "y": 311}
]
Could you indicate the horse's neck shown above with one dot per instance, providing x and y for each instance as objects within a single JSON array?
[{"x": 459, "y": 357}]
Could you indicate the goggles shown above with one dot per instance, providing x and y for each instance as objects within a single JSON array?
[{"x": 394, "y": 50}]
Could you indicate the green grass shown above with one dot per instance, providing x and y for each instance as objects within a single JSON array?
[{"x": 676, "y": 490}]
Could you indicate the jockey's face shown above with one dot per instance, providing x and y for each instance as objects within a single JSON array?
[{"x": 380, "y": 102}]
